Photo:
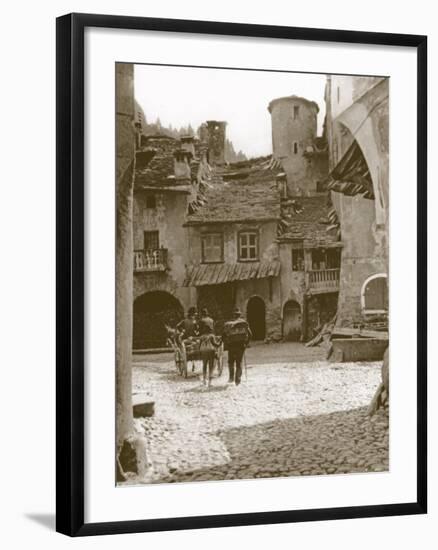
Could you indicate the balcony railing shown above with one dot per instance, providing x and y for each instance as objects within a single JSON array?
[
  {"x": 324, "y": 280},
  {"x": 150, "y": 260}
]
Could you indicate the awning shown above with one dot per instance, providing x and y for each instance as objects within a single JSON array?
[
  {"x": 217, "y": 274},
  {"x": 351, "y": 175}
]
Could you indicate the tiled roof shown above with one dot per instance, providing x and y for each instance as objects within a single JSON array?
[
  {"x": 215, "y": 274},
  {"x": 243, "y": 191},
  {"x": 308, "y": 220},
  {"x": 161, "y": 166}
]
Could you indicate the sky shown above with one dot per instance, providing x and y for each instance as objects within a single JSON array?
[{"x": 183, "y": 95}]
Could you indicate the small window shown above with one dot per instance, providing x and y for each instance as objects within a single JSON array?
[
  {"x": 333, "y": 256},
  {"x": 374, "y": 295},
  {"x": 248, "y": 246},
  {"x": 150, "y": 201},
  {"x": 151, "y": 240},
  {"x": 295, "y": 147},
  {"x": 321, "y": 186},
  {"x": 338, "y": 93},
  {"x": 296, "y": 112},
  {"x": 212, "y": 248},
  {"x": 319, "y": 259},
  {"x": 297, "y": 259}
]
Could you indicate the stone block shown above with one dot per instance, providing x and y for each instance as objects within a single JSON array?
[
  {"x": 141, "y": 407},
  {"x": 358, "y": 349}
]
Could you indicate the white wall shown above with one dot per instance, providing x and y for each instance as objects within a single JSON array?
[{"x": 28, "y": 283}]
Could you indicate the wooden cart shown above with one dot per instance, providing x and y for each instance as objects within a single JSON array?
[{"x": 186, "y": 351}]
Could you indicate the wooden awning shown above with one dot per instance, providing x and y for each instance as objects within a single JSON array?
[
  {"x": 351, "y": 175},
  {"x": 217, "y": 274}
]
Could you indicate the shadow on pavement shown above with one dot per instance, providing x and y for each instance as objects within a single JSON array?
[{"x": 338, "y": 442}]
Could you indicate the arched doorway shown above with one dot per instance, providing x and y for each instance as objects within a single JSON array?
[
  {"x": 255, "y": 315},
  {"x": 374, "y": 294},
  {"x": 292, "y": 321},
  {"x": 152, "y": 311}
]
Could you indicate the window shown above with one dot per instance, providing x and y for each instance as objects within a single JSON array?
[
  {"x": 297, "y": 259},
  {"x": 151, "y": 240},
  {"x": 333, "y": 256},
  {"x": 295, "y": 147},
  {"x": 319, "y": 259},
  {"x": 212, "y": 248},
  {"x": 150, "y": 201},
  {"x": 374, "y": 295},
  {"x": 248, "y": 246},
  {"x": 338, "y": 93},
  {"x": 296, "y": 112}
]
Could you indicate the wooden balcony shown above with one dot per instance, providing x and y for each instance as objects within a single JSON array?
[
  {"x": 324, "y": 280},
  {"x": 150, "y": 260}
]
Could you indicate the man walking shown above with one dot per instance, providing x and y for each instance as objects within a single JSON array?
[
  {"x": 236, "y": 336},
  {"x": 206, "y": 324}
]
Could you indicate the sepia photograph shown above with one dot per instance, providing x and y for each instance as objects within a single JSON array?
[{"x": 252, "y": 251}]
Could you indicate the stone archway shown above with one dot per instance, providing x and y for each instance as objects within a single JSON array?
[
  {"x": 292, "y": 321},
  {"x": 152, "y": 311},
  {"x": 256, "y": 317}
]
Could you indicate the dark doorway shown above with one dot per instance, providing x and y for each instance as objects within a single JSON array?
[
  {"x": 219, "y": 301},
  {"x": 255, "y": 315},
  {"x": 292, "y": 321},
  {"x": 152, "y": 311}
]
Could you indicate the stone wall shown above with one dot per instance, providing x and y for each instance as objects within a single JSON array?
[
  {"x": 167, "y": 218},
  {"x": 362, "y": 114},
  {"x": 287, "y": 129}
]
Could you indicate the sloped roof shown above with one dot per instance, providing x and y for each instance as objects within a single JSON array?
[
  {"x": 239, "y": 192},
  {"x": 351, "y": 175},
  {"x": 237, "y": 201},
  {"x": 309, "y": 221},
  {"x": 158, "y": 170},
  {"x": 215, "y": 274}
]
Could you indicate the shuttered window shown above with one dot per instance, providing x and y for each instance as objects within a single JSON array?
[
  {"x": 248, "y": 245},
  {"x": 212, "y": 248}
]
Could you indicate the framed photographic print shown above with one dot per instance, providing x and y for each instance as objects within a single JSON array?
[{"x": 241, "y": 230}]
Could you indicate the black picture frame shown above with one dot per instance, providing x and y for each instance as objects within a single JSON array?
[{"x": 70, "y": 273}]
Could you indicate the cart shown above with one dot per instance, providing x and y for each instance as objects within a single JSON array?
[{"x": 186, "y": 351}]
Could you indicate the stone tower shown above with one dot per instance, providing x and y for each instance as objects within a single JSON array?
[
  {"x": 216, "y": 141},
  {"x": 294, "y": 129}
]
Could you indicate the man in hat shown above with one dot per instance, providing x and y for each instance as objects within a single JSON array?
[
  {"x": 236, "y": 335},
  {"x": 206, "y": 323},
  {"x": 189, "y": 326}
]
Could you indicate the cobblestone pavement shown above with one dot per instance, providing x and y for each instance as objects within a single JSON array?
[{"x": 285, "y": 419}]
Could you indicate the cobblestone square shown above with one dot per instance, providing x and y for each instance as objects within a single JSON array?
[{"x": 294, "y": 414}]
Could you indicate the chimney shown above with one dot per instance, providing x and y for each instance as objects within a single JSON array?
[
  {"x": 182, "y": 164},
  {"x": 188, "y": 144},
  {"x": 216, "y": 141},
  {"x": 281, "y": 180}
]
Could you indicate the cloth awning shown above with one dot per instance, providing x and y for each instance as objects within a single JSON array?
[
  {"x": 351, "y": 175},
  {"x": 216, "y": 274}
]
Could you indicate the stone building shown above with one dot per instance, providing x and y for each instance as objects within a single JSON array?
[
  {"x": 310, "y": 258},
  {"x": 233, "y": 255},
  {"x": 259, "y": 234},
  {"x": 357, "y": 134},
  {"x": 295, "y": 143},
  {"x": 167, "y": 176},
  {"x": 308, "y": 235}
]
